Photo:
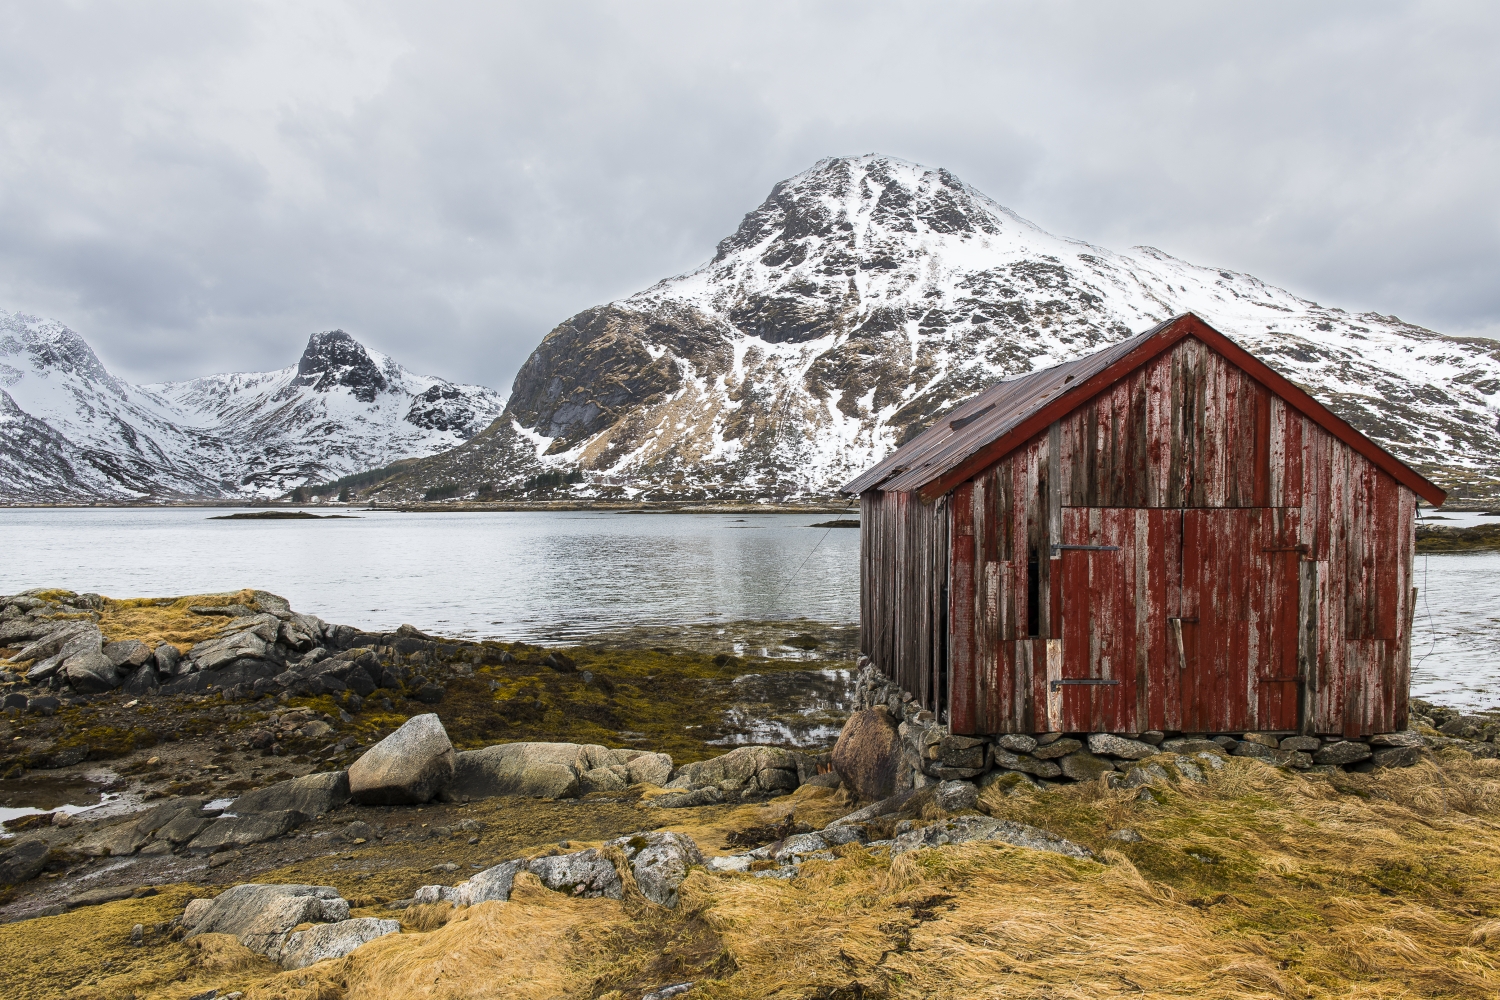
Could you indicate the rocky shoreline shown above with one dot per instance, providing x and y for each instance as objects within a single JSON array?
[{"x": 304, "y": 795}]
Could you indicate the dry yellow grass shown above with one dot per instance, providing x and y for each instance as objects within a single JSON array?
[
  {"x": 154, "y": 620},
  {"x": 1259, "y": 884}
]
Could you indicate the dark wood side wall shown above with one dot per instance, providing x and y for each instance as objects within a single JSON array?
[
  {"x": 903, "y": 584},
  {"x": 1189, "y": 430}
]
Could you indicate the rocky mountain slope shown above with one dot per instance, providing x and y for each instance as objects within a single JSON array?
[
  {"x": 867, "y": 295},
  {"x": 71, "y": 431}
]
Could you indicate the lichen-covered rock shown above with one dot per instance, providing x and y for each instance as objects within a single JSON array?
[
  {"x": 1110, "y": 745},
  {"x": 408, "y": 767},
  {"x": 660, "y": 860},
  {"x": 490, "y": 884},
  {"x": 1084, "y": 766},
  {"x": 1402, "y": 739},
  {"x": 962, "y": 829},
  {"x": 1192, "y": 746},
  {"x": 745, "y": 772},
  {"x": 1016, "y": 743},
  {"x": 586, "y": 874},
  {"x": 867, "y": 756},
  {"x": 128, "y": 654},
  {"x": 323, "y": 941},
  {"x": 221, "y": 651},
  {"x": 1259, "y": 751},
  {"x": 687, "y": 798},
  {"x": 1057, "y": 748},
  {"x": 259, "y": 915},
  {"x": 1024, "y": 763},
  {"x": 553, "y": 770},
  {"x": 956, "y": 796}
]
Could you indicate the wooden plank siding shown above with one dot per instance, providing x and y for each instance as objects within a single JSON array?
[
  {"x": 903, "y": 592},
  {"x": 1260, "y": 575}
]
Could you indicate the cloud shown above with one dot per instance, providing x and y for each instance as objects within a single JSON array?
[{"x": 197, "y": 187}]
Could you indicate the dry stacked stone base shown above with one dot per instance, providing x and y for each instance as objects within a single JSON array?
[{"x": 929, "y": 754}]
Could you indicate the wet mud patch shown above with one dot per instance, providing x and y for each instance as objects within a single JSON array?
[{"x": 794, "y": 708}]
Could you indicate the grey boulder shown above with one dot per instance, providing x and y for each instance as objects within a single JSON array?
[
  {"x": 962, "y": 829},
  {"x": 128, "y": 654},
  {"x": 745, "y": 772},
  {"x": 1110, "y": 745},
  {"x": 142, "y": 680},
  {"x": 1057, "y": 748},
  {"x": 687, "y": 798},
  {"x": 259, "y": 915},
  {"x": 22, "y": 861},
  {"x": 323, "y": 941},
  {"x": 224, "y": 650},
  {"x": 660, "y": 860},
  {"x": 553, "y": 770},
  {"x": 1343, "y": 752},
  {"x": 956, "y": 796},
  {"x": 491, "y": 885},
  {"x": 1084, "y": 766},
  {"x": 587, "y": 874},
  {"x": 867, "y": 755},
  {"x": 311, "y": 795},
  {"x": 55, "y": 640},
  {"x": 167, "y": 659},
  {"x": 89, "y": 672},
  {"x": 409, "y": 766},
  {"x": 133, "y": 833},
  {"x": 1024, "y": 763},
  {"x": 241, "y": 831}
]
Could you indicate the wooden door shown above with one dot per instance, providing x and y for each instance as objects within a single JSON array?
[
  {"x": 1098, "y": 624},
  {"x": 1236, "y": 635}
]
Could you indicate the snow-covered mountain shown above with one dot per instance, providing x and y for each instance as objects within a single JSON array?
[
  {"x": 867, "y": 295},
  {"x": 71, "y": 431}
]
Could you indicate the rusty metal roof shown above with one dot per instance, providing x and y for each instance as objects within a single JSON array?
[
  {"x": 985, "y": 417},
  {"x": 949, "y": 451}
]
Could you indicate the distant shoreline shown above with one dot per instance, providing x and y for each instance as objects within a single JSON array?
[{"x": 608, "y": 506}]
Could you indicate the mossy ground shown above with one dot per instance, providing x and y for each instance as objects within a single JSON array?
[
  {"x": 1443, "y": 538},
  {"x": 1258, "y": 884}
]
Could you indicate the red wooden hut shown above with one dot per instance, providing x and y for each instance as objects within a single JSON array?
[{"x": 1164, "y": 535}]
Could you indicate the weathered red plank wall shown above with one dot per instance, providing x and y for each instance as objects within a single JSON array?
[{"x": 1227, "y": 507}]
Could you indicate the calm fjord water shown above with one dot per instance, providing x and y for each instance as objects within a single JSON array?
[
  {"x": 563, "y": 576},
  {"x": 534, "y": 576}
]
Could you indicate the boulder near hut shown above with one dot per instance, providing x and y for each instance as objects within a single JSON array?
[{"x": 1162, "y": 538}]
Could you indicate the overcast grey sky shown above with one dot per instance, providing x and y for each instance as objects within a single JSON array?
[{"x": 196, "y": 186}]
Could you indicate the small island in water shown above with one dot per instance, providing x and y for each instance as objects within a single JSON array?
[{"x": 282, "y": 515}]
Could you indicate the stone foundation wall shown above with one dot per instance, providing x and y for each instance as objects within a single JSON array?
[{"x": 932, "y": 754}]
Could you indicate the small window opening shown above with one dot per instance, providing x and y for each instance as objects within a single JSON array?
[{"x": 1033, "y": 594}]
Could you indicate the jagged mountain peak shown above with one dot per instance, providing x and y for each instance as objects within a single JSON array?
[
  {"x": 72, "y": 431},
  {"x": 867, "y": 295},
  {"x": 843, "y": 199},
  {"x": 49, "y": 345},
  {"x": 333, "y": 358}
]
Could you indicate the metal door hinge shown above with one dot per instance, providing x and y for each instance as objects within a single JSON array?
[{"x": 1058, "y": 550}]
